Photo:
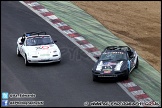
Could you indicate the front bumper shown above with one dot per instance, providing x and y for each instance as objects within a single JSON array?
[
  {"x": 44, "y": 59},
  {"x": 107, "y": 76}
]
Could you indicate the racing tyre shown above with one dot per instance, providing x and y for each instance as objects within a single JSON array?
[
  {"x": 18, "y": 52},
  {"x": 26, "y": 61},
  {"x": 59, "y": 61},
  {"x": 94, "y": 78},
  {"x": 127, "y": 75},
  {"x": 137, "y": 64}
]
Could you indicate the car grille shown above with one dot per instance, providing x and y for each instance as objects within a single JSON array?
[
  {"x": 44, "y": 54},
  {"x": 44, "y": 60},
  {"x": 34, "y": 56},
  {"x": 107, "y": 75}
]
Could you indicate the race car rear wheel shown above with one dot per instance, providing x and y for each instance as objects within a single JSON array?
[
  {"x": 18, "y": 52},
  {"x": 26, "y": 61},
  {"x": 137, "y": 64}
]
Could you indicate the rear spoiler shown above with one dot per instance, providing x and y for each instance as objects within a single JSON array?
[{"x": 34, "y": 33}]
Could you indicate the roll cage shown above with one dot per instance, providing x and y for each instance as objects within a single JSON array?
[
  {"x": 33, "y": 33},
  {"x": 118, "y": 48}
]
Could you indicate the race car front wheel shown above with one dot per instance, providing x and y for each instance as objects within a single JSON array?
[
  {"x": 59, "y": 60},
  {"x": 94, "y": 78},
  {"x": 18, "y": 52},
  {"x": 26, "y": 61},
  {"x": 137, "y": 64},
  {"x": 126, "y": 75}
]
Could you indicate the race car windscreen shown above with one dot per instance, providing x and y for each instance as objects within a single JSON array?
[
  {"x": 40, "y": 40},
  {"x": 113, "y": 56}
]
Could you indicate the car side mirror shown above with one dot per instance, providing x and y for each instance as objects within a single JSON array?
[{"x": 55, "y": 41}]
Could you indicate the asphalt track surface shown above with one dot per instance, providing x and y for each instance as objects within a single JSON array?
[{"x": 66, "y": 84}]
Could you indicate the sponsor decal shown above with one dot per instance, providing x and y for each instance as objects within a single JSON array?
[
  {"x": 107, "y": 70},
  {"x": 112, "y": 63},
  {"x": 109, "y": 63},
  {"x": 107, "y": 67},
  {"x": 38, "y": 48},
  {"x": 42, "y": 47}
]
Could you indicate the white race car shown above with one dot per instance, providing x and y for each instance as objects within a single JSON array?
[{"x": 37, "y": 47}]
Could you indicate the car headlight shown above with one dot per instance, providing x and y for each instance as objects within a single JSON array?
[{"x": 34, "y": 56}]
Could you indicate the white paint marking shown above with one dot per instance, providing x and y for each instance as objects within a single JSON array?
[
  {"x": 87, "y": 46},
  {"x": 121, "y": 85},
  {"x": 70, "y": 31},
  {"x": 52, "y": 17},
  {"x": 60, "y": 24},
  {"x": 130, "y": 84},
  {"x": 67, "y": 32},
  {"x": 138, "y": 92},
  {"x": 43, "y": 10},
  {"x": 79, "y": 38},
  {"x": 98, "y": 53},
  {"x": 33, "y": 4},
  {"x": 145, "y": 100}
]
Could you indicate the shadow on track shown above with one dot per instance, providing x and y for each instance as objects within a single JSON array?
[
  {"x": 44, "y": 64},
  {"x": 109, "y": 80}
]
